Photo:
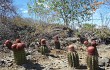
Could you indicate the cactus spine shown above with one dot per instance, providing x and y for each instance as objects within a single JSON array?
[
  {"x": 43, "y": 49},
  {"x": 92, "y": 59},
  {"x": 73, "y": 58},
  {"x": 56, "y": 42}
]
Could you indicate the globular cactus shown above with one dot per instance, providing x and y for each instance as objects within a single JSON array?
[
  {"x": 43, "y": 49},
  {"x": 18, "y": 41},
  {"x": 92, "y": 59},
  {"x": 8, "y": 44},
  {"x": 86, "y": 43},
  {"x": 73, "y": 58},
  {"x": 18, "y": 50},
  {"x": 94, "y": 44},
  {"x": 19, "y": 53},
  {"x": 56, "y": 42}
]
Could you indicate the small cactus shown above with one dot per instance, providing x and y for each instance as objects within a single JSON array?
[
  {"x": 43, "y": 49},
  {"x": 56, "y": 42},
  {"x": 19, "y": 53},
  {"x": 86, "y": 43},
  {"x": 92, "y": 59},
  {"x": 18, "y": 41},
  {"x": 8, "y": 43},
  {"x": 73, "y": 58},
  {"x": 94, "y": 44}
]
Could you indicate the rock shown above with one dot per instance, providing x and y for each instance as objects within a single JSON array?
[
  {"x": 107, "y": 47},
  {"x": 107, "y": 68},
  {"x": 2, "y": 63},
  {"x": 29, "y": 57},
  {"x": 104, "y": 62},
  {"x": 71, "y": 39},
  {"x": 32, "y": 44},
  {"x": 9, "y": 64},
  {"x": 102, "y": 68},
  {"x": 51, "y": 58},
  {"x": 21, "y": 68},
  {"x": 1, "y": 47},
  {"x": 9, "y": 59}
]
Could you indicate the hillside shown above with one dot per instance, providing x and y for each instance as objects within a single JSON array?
[
  {"x": 56, "y": 59},
  {"x": 32, "y": 32}
]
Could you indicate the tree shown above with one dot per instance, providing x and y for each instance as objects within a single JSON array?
[
  {"x": 107, "y": 2},
  {"x": 87, "y": 26},
  {"x": 6, "y": 9},
  {"x": 68, "y": 11}
]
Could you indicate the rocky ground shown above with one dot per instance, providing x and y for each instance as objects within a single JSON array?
[{"x": 56, "y": 60}]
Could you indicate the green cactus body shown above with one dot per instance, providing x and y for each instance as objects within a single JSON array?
[
  {"x": 73, "y": 59},
  {"x": 92, "y": 58},
  {"x": 92, "y": 62},
  {"x": 19, "y": 56},
  {"x": 76, "y": 60},
  {"x": 96, "y": 52},
  {"x": 19, "y": 53},
  {"x": 57, "y": 44},
  {"x": 94, "y": 44},
  {"x": 70, "y": 59},
  {"x": 44, "y": 50}
]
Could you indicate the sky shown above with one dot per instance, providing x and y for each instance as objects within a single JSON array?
[
  {"x": 22, "y": 7},
  {"x": 23, "y": 10}
]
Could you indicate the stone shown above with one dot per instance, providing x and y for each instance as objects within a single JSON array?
[
  {"x": 102, "y": 68},
  {"x": 29, "y": 57},
  {"x": 104, "y": 62},
  {"x": 9, "y": 64},
  {"x": 2, "y": 63}
]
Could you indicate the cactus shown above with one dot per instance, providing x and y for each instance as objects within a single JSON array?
[
  {"x": 94, "y": 44},
  {"x": 56, "y": 42},
  {"x": 18, "y": 41},
  {"x": 92, "y": 59},
  {"x": 8, "y": 43},
  {"x": 86, "y": 43},
  {"x": 19, "y": 53},
  {"x": 73, "y": 58},
  {"x": 43, "y": 49}
]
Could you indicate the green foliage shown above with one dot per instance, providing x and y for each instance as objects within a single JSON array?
[
  {"x": 21, "y": 22},
  {"x": 87, "y": 26},
  {"x": 103, "y": 32},
  {"x": 69, "y": 11}
]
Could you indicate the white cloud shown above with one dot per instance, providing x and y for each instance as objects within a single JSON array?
[
  {"x": 24, "y": 11},
  {"x": 21, "y": 9}
]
